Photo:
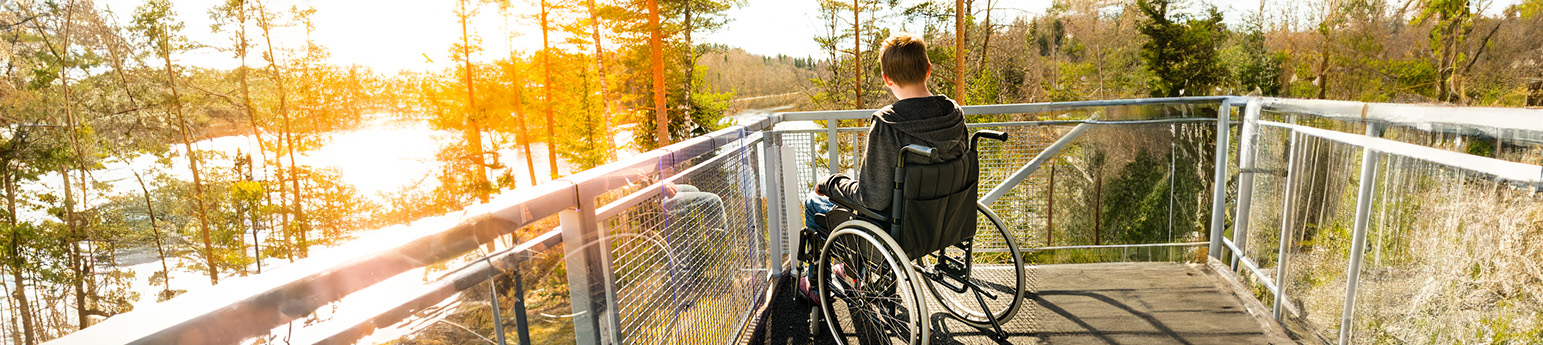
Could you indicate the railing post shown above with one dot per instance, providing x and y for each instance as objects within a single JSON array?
[
  {"x": 1219, "y": 183},
  {"x": 498, "y": 318},
  {"x": 1363, "y": 207},
  {"x": 1248, "y": 143},
  {"x": 833, "y": 145},
  {"x": 793, "y": 205},
  {"x": 1285, "y": 229},
  {"x": 591, "y": 292},
  {"x": 521, "y": 325},
  {"x": 771, "y": 190}
]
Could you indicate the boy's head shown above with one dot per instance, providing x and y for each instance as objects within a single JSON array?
[{"x": 903, "y": 59}]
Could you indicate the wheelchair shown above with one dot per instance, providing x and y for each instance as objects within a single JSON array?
[{"x": 869, "y": 268}]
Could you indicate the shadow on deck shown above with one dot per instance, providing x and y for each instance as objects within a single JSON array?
[{"x": 1113, "y": 303}]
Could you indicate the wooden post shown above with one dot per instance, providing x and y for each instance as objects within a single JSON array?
[
  {"x": 1098, "y": 206},
  {"x": 1050, "y": 208}
]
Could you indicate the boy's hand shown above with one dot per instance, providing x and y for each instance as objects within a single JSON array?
[{"x": 823, "y": 188}]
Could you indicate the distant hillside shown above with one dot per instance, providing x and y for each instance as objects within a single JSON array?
[{"x": 755, "y": 77}]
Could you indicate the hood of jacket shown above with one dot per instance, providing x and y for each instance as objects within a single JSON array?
[{"x": 937, "y": 121}]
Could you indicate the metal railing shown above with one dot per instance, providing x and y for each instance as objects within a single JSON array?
[
  {"x": 646, "y": 263},
  {"x": 1408, "y": 166}
]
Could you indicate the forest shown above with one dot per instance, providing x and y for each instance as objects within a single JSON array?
[{"x": 108, "y": 153}]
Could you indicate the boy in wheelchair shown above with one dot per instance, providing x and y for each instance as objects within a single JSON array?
[
  {"x": 912, "y": 208},
  {"x": 918, "y": 117}
]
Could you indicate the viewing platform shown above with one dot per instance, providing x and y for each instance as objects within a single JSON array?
[{"x": 1195, "y": 220}]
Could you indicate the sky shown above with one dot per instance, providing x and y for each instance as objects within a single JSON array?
[{"x": 415, "y": 35}]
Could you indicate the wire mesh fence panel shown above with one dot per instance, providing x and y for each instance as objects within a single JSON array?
[
  {"x": 467, "y": 316},
  {"x": 1024, "y": 207},
  {"x": 808, "y": 160},
  {"x": 1128, "y": 184},
  {"x": 1270, "y": 174},
  {"x": 690, "y": 263},
  {"x": 1451, "y": 257},
  {"x": 854, "y": 148},
  {"x": 1321, "y": 213}
]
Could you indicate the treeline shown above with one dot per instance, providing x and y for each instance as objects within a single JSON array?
[
  {"x": 89, "y": 92},
  {"x": 604, "y": 66},
  {"x": 1450, "y": 51}
]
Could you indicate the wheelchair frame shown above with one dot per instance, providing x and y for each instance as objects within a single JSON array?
[{"x": 866, "y": 225}]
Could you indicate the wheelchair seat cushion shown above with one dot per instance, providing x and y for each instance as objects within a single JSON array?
[{"x": 938, "y": 207}]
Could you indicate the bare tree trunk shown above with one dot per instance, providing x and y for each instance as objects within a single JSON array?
[
  {"x": 985, "y": 35},
  {"x": 72, "y": 250},
  {"x": 519, "y": 107},
  {"x": 21, "y": 291},
  {"x": 474, "y": 133},
  {"x": 1323, "y": 68},
  {"x": 857, "y": 55},
  {"x": 690, "y": 64},
  {"x": 117, "y": 60},
  {"x": 959, "y": 38},
  {"x": 662, "y": 122},
  {"x": 519, "y": 101},
  {"x": 251, "y": 112},
  {"x": 155, "y": 227},
  {"x": 251, "y": 115},
  {"x": 17, "y": 261},
  {"x": 198, "y": 185},
  {"x": 605, "y": 91},
  {"x": 11, "y": 328},
  {"x": 546, "y": 66},
  {"x": 266, "y": 25}
]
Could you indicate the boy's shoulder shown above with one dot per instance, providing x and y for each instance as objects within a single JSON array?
[{"x": 919, "y": 107}]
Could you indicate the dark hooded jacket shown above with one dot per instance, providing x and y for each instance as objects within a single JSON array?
[{"x": 934, "y": 121}]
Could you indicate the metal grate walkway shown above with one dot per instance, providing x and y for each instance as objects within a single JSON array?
[{"x": 1113, "y": 303}]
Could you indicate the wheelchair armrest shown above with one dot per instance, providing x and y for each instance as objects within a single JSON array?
[
  {"x": 975, "y": 138},
  {"x": 859, "y": 209}
]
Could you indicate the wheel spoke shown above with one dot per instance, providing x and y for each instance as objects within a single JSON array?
[{"x": 870, "y": 300}]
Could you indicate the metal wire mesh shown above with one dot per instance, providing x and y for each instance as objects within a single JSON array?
[
  {"x": 1449, "y": 257},
  {"x": 688, "y": 268},
  {"x": 1321, "y": 215},
  {"x": 1447, "y": 249},
  {"x": 467, "y": 317}
]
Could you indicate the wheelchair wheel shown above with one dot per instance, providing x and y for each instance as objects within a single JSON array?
[
  {"x": 996, "y": 267},
  {"x": 867, "y": 293}
]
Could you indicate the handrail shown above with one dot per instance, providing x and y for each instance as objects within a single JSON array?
[
  {"x": 250, "y": 306},
  {"x": 1521, "y": 124},
  {"x": 1017, "y": 108},
  {"x": 347, "y": 331}
]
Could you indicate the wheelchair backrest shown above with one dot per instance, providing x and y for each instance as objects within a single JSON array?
[{"x": 937, "y": 205}]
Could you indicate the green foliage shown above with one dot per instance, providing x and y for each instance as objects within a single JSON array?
[
  {"x": 698, "y": 115},
  {"x": 1261, "y": 68},
  {"x": 983, "y": 89},
  {"x": 1181, "y": 51}
]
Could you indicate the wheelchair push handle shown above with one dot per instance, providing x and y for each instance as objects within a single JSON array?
[
  {"x": 919, "y": 150},
  {"x": 986, "y": 133}
]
